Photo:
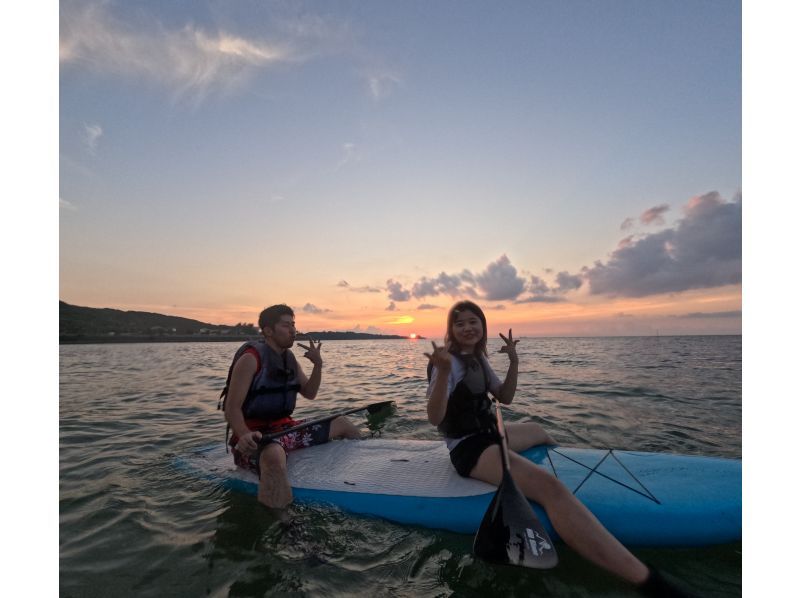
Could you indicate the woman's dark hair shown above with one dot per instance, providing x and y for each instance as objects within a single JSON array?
[
  {"x": 270, "y": 316},
  {"x": 449, "y": 338}
]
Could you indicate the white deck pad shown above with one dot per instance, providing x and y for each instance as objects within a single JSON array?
[
  {"x": 374, "y": 466},
  {"x": 396, "y": 467}
]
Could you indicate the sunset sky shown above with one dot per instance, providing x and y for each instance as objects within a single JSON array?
[{"x": 574, "y": 167}]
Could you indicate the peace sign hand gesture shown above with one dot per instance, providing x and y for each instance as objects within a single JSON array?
[
  {"x": 440, "y": 358},
  {"x": 510, "y": 347},
  {"x": 312, "y": 352}
]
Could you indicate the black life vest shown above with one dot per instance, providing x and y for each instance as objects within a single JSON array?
[{"x": 469, "y": 412}]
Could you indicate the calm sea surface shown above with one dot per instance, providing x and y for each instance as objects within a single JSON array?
[{"x": 131, "y": 525}]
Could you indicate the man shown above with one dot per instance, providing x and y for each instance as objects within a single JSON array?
[{"x": 262, "y": 389}]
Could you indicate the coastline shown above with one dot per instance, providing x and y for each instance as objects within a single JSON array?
[{"x": 99, "y": 339}]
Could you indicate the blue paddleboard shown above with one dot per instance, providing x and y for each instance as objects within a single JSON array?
[{"x": 646, "y": 499}]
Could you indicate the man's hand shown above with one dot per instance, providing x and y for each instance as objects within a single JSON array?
[
  {"x": 248, "y": 443},
  {"x": 312, "y": 352}
]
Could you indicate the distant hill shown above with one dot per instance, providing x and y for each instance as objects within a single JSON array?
[
  {"x": 333, "y": 335},
  {"x": 92, "y": 325},
  {"x": 75, "y": 320}
]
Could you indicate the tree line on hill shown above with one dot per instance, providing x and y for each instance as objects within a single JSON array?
[
  {"x": 75, "y": 320},
  {"x": 91, "y": 324}
]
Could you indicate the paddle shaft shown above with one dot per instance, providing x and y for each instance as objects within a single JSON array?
[
  {"x": 265, "y": 438},
  {"x": 501, "y": 429}
]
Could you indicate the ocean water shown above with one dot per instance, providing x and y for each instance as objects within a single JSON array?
[{"x": 132, "y": 525}]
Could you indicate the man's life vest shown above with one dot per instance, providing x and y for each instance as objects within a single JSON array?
[
  {"x": 273, "y": 390},
  {"x": 468, "y": 412}
]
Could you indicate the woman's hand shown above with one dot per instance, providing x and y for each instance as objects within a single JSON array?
[
  {"x": 440, "y": 358},
  {"x": 510, "y": 347}
]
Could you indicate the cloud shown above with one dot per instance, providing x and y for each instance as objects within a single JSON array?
[
  {"x": 541, "y": 292},
  {"x": 350, "y": 155},
  {"x": 424, "y": 288},
  {"x": 428, "y": 306},
  {"x": 443, "y": 284},
  {"x": 500, "y": 281},
  {"x": 537, "y": 286},
  {"x": 381, "y": 85},
  {"x": 713, "y": 314},
  {"x": 63, "y": 204},
  {"x": 541, "y": 299},
  {"x": 400, "y": 320},
  {"x": 92, "y": 135},
  {"x": 391, "y": 306},
  {"x": 396, "y": 291},
  {"x": 654, "y": 215},
  {"x": 365, "y": 289},
  {"x": 626, "y": 242},
  {"x": 568, "y": 282},
  {"x": 187, "y": 60},
  {"x": 313, "y": 309},
  {"x": 703, "y": 250}
]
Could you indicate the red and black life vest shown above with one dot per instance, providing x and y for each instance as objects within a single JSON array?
[{"x": 273, "y": 391}]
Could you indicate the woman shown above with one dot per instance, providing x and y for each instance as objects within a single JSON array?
[{"x": 458, "y": 404}]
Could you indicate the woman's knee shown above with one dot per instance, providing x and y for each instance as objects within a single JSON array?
[
  {"x": 525, "y": 435},
  {"x": 540, "y": 485}
]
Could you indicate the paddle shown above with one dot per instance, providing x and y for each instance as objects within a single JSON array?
[
  {"x": 510, "y": 532},
  {"x": 373, "y": 408}
]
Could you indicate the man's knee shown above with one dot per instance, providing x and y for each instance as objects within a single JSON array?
[
  {"x": 274, "y": 490},
  {"x": 272, "y": 457},
  {"x": 341, "y": 427}
]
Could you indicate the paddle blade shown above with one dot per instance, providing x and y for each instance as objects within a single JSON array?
[
  {"x": 377, "y": 414},
  {"x": 378, "y": 407},
  {"x": 511, "y": 533}
]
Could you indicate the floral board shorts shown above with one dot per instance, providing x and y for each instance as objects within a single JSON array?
[{"x": 311, "y": 436}]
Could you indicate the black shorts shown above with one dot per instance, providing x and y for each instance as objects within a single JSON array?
[{"x": 467, "y": 452}]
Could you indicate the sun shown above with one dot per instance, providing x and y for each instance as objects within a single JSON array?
[{"x": 413, "y": 335}]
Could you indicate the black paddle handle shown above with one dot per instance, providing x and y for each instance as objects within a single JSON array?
[
  {"x": 501, "y": 429},
  {"x": 373, "y": 408}
]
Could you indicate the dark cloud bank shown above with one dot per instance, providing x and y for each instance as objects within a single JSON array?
[{"x": 703, "y": 249}]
